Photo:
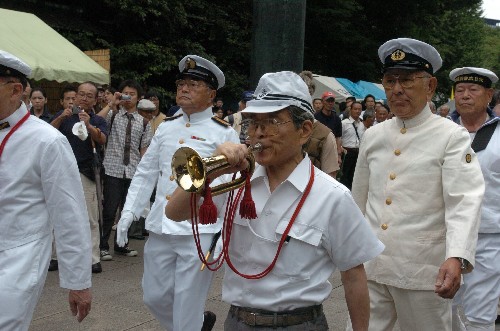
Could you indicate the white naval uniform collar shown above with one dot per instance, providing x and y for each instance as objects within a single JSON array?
[
  {"x": 198, "y": 116},
  {"x": 298, "y": 178},
  {"x": 15, "y": 116},
  {"x": 415, "y": 121}
]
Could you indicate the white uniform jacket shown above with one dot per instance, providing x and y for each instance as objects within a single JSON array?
[
  {"x": 41, "y": 191},
  {"x": 328, "y": 233},
  {"x": 489, "y": 159},
  {"x": 420, "y": 186},
  {"x": 198, "y": 131}
]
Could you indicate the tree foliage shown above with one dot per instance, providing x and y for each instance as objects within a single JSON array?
[{"x": 147, "y": 38}]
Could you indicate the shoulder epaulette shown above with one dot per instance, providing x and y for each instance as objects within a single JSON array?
[
  {"x": 172, "y": 118},
  {"x": 220, "y": 121}
]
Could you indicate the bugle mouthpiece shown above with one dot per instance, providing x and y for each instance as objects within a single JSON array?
[{"x": 255, "y": 148}]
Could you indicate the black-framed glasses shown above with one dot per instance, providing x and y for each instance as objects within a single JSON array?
[
  {"x": 388, "y": 81},
  {"x": 268, "y": 127},
  {"x": 191, "y": 84}
]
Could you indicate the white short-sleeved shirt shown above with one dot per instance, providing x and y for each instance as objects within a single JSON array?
[
  {"x": 329, "y": 233},
  {"x": 349, "y": 137}
]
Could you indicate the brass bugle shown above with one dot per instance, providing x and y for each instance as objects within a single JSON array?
[{"x": 190, "y": 170}]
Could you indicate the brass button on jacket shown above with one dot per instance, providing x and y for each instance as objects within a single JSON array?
[
  {"x": 388, "y": 201},
  {"x": 384, "y": 226},
  {"x": 397, "y": 152}
]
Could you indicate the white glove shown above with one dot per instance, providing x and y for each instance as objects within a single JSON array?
[{"x": 122, "y": 228}]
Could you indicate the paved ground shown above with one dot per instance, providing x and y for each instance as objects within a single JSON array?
[{"x": 117, "y": 301}]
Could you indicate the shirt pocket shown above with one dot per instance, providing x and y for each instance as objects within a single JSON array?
[{"x": 300, "y": 250}]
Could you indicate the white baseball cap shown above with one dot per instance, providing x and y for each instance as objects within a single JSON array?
[{"x": 279, "y": 90}]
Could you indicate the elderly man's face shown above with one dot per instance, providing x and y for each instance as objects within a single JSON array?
[
  {"x": 281, "y": 140},
  {"x": 86, "y": 97},
  {"x": 68, "y": 100},
  {"x": 407, "y": 102},
  {"x": 443, "y": 111},
  {"x": 472, "y": 98},
  {"x": 193, "y": 95},
  {"x": 381, "y": 114}
]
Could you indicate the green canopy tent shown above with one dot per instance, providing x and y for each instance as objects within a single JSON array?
[{"x": 49, "y": 54}]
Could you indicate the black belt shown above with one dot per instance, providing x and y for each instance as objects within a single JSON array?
[
  {"x": 355, "y": 150},
  {"x": 259, "y": 317}
]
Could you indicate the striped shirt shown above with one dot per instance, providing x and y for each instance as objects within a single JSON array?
[{"x": 140, "y": 138}]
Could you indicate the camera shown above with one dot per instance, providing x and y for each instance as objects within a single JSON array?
[
  {"x": 75, "y": 110},
  {"x": 125, "y": 97}
]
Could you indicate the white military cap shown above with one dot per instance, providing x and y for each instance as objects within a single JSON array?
[
  {"x": 407, "y": 53},
  {"x": 196, "y": 66},
  {"x": 277, "y": 91},
  {"x": 11, "y": 65},
  {"x": 474, "y": 75},
  {"x": 146, "y": 105}
]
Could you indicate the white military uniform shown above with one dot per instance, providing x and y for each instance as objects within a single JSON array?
[
  {"x": 40, "y": 192},
  {"x": 329, "y": 233},
  {"x": 479, "y": 295},
  {"x": 174, "y": 288},
  {"x": 420, "y": 186}
]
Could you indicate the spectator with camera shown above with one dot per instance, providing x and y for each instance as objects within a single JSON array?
[
  {"x": 129, "y": 136},
  {"x": 85, "y": 132}
]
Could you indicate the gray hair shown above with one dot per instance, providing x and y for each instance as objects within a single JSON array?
[{"x": 299, "y": 116}]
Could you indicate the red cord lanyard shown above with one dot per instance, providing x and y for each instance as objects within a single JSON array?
[
  {"x": 227, "y": 229},
  {"x": 11, "y": 132}
]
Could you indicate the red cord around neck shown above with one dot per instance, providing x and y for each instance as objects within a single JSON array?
[{"x": 228, "y": 226}]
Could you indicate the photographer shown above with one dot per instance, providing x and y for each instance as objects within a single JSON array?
[
  {"x": 84, "y": 129},
  {"x": 129, "y": 136}
]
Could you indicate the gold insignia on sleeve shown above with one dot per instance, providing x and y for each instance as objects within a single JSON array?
[
  {"x": 189, "y": 64},
  {"x": 468, "y": 158},
  {"x": 398, "y": 55},
  {"x": 220, "y": 121}
]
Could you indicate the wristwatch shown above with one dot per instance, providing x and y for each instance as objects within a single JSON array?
[{"x": 465, "y": 265}]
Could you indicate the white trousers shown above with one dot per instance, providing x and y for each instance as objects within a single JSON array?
[
  {"x": 475, "y": 305},
  {"x": 175, "y": 290},
  {"x": 414, "y": 310},
  {"x": 23, "y": 270}
]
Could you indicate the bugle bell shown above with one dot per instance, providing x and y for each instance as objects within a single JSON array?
[{"x": 190, "y": 170}]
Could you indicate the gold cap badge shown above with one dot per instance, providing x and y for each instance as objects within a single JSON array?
[
  {"x": 398, "y": 55},
  {"x": 190, "y": 64}
]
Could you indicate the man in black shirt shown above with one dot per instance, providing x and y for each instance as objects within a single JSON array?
[{"x": 328, "y": 117}]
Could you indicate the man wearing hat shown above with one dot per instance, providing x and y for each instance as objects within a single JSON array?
[
  {"x": 314, "y": 218},
  {"x": 40, "y": 194},
  {"x": 174, "y": 288},
  {"x": 475, "y": 305},
  {"x": 420, "y": 186},
  {"x": 328, "y": 117}
]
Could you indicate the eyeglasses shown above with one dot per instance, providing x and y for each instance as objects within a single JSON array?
[
  {"x": 268, "y": 127},
  {"x": 389, "y": 81},
  {"x": 88, "y": 95},
  {"x": 191, "y": 84}
]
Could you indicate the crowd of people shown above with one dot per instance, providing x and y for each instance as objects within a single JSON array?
[{"x": 400, "y": 196}]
